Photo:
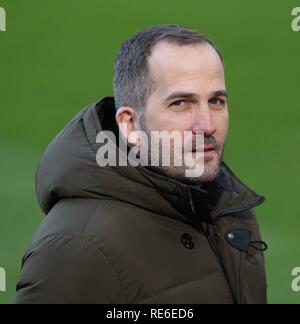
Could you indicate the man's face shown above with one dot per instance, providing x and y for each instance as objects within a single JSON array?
[{"x": 189, "y": 95}]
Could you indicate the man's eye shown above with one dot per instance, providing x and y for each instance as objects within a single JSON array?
[
  {"x": 179, "y": 104},
  {"x": 217, "y": 102}
]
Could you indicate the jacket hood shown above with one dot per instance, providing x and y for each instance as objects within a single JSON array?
[{"x": 68, "y": 169}]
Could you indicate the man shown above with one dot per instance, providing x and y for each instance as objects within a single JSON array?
[{"x": 147, "y": 234}]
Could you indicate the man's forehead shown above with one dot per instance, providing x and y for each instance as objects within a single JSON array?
[
  {"x": 172, "y": 61},
  {"x": 190, "y": 68}
]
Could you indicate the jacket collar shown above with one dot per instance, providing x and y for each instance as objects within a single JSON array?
[{"x": 225, "y": 195}]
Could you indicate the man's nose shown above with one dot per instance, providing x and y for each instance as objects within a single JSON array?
[{"x": 203, "y": 121}]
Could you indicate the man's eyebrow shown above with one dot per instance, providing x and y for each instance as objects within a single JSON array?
[
  {"x": 220, "y": 93},
  {"x": 180, "y": 94},
  {"x": 193, "y": 96}
]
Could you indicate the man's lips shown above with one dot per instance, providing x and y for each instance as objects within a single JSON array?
[
  {"x": 206, "y": 148},
  {"x": 209, "y": 148}
]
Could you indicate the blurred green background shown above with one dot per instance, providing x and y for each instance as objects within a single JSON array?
[{"x": 57, "y": 56}]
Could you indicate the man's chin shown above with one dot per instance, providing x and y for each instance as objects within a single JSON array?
[
  {"x": 209, "y": 174},
  {"x": 210, "y": 170}
]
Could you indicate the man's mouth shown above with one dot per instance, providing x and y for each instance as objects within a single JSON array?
[{"x": 206, "y": 148}]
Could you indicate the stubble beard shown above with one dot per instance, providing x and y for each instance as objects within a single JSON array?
[{"x": 212, "y": 164}]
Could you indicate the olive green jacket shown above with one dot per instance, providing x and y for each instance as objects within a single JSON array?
[{"x": 126, "y": 235}]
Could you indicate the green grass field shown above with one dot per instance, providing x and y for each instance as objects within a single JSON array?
[{"x": 57, "y": 56}]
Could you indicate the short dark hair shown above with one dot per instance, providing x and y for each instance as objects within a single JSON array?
[{"x": 132, "y": 81}]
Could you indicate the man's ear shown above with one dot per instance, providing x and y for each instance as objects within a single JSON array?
[{"x": 127, "y": 120}]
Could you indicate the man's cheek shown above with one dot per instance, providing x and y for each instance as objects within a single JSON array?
[
  {"x": 222, "y": 128},
  {"x": 225, "y": 125}
]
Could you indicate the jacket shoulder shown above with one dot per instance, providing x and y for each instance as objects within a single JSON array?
[
  {"x": 74, "y": 217},
  {"x": 67, "y": 269},
  {"x": 65, "y": 262}
]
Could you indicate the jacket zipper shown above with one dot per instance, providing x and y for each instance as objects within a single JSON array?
[{"x": 209, "y": 233}]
